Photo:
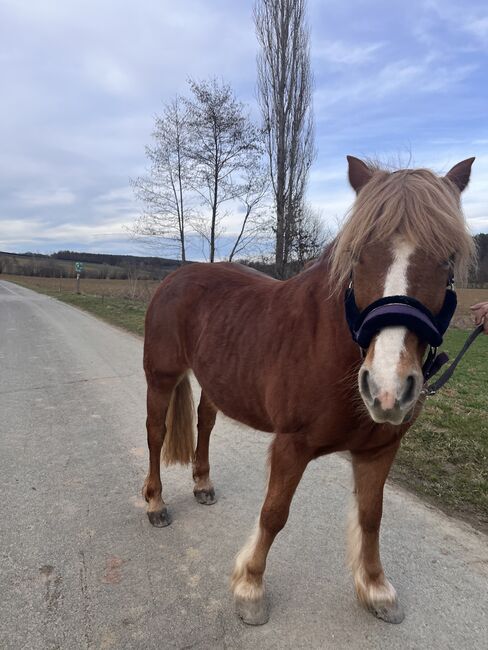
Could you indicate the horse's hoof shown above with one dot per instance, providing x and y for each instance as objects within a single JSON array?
[
  {"x": 205, "y": 497},
  {"x": 389, "y": 612},
  {"x": 159, "y": 519},
  {"x": 253, "y": 612}
]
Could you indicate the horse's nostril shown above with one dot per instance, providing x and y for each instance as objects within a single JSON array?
[
  {"x": 409, "y": 391},
  {"x": 364, "y": 385}
]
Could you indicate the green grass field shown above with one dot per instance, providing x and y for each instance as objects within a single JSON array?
[
  {"x": 444, "y": 456},
  {"x": 122, "y": 312}
]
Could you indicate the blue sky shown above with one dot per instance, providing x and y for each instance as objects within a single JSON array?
[{"x": 81, "y": 82}]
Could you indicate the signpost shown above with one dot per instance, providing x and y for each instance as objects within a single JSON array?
[{"x": 78, "y": 269}]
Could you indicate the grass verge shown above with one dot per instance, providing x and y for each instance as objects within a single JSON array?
[{"x": 443, "y": 457}]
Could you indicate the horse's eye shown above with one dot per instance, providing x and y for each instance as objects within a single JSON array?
[{"x": 448, "y": 265}]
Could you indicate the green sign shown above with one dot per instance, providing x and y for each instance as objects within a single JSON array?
[{"x": 78, "y": 267}]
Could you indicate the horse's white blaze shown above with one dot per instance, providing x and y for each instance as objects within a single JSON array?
[
  {"x": 244, "y": 589},
  {"x": 391, "y": 341}
]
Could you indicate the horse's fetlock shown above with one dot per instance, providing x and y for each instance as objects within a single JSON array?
[
  {"x": 246, "y": 588},
  {"x": 200, "y": 470},
  {"x": 374, "y": 590},
  {"x": 202, "y": 482},
  {"x": 150, "y": 492}
]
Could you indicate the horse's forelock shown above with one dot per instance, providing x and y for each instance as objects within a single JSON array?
[{"x": 416, "y": 204}]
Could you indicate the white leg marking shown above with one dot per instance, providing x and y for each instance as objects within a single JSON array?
[
  {"x": 370, "y": 593},
  {"x": 203, "y": 483},
  {"x": 156, "y": 504},
  {"x": 242, "y": 587},
  {"x": 391, "y": 340},
  {"x": 354, "y": 537}
]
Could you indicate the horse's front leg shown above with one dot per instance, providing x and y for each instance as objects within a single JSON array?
[
  {"x": 373, "y": 589},
  {"x": 288, "y": 459}
]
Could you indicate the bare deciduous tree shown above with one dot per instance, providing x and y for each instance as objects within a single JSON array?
[
  {"x": 285, "y": 96},
  {"x": 206, "y": 153},
  {"x": 224, "y": 145},
  {"x": 309, "y": 237},
  {"x": 164, "y": 190}
]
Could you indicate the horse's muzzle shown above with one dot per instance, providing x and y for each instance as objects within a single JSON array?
[{"x": 392, "y": 405}]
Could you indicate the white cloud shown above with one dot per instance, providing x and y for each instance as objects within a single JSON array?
[
  {"x": 13, "y": 229},
  {"x": 394, "y": 80},
  {"x": 33, "y": 199},
  {"x": 108, "y": 75},
  {"x": 340, "y": 52},
  {"x": 470, "y": 18},
  {"x": 478, "y": 27},
  {"x": 122, "y": 194}
]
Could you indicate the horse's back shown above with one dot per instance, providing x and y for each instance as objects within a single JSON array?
[
  {"x": 187, "y": 286},
  {"x": 188, "y": 300}
]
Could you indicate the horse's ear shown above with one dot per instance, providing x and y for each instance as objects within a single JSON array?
[
  {"x": 359, "y": 173},
  {"x": 460, "y": 173}
]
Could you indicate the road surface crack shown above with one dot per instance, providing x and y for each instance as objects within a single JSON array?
[
  {"x": 67, "y": 383},
  {"x": 86, "y": 604}
]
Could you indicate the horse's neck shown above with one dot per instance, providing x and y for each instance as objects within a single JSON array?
[{"x": 314, "y": 282}]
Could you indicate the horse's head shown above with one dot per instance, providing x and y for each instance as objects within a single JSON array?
[{"x": 405, "y": 237}]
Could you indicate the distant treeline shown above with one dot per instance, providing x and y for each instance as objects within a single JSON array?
[
  {"x": 480, "y": 275},
  {"x": 98, "y": 266},
  {"x": 117, "y": 260}
]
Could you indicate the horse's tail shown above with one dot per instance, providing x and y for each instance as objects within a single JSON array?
[{"x": 179, "y": 445}]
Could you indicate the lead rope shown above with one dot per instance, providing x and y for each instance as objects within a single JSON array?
[{"x": 431, "y": 389}]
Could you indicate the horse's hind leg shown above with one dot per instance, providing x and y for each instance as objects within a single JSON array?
[
  {"x": 204, "y": 491},
  {"x": 373, "y": 589},
  {"x": 288, "y": 459},
  {"x": 158, "y": 398}
]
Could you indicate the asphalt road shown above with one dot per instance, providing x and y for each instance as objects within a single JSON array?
[{"x": 81, "y": 567}]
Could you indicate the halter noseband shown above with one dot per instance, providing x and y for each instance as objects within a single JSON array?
[
  {"x": 402, "y": 311},
  {"x": 398, "y": 311}
]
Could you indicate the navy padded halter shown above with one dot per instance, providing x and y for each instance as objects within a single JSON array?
[{"x": 399, "y": 311}]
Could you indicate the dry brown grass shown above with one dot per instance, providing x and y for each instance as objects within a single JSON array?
[
  {"x": 139, "y": 290},
  {"x": 466, "y": 298}
]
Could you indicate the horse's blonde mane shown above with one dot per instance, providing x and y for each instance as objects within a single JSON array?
[{"x": 413, "y": 203}]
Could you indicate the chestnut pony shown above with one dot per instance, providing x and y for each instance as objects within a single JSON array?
[{"x": 279, "y": 357}]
